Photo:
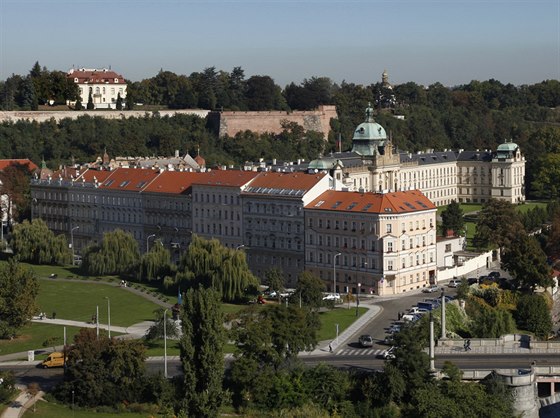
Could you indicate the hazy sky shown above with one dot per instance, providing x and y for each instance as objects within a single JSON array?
[{"x": 449, "y": 41}]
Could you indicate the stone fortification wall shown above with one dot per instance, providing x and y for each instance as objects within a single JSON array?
[
  {"x": 232, "y": 122},
  {"x": 38, "y": 116}
]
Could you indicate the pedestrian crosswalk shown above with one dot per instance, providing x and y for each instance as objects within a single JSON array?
[{"x": 359, "y": 351}]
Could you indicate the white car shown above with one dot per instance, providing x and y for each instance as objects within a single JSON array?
[
  {"x": 332, "y": 296},
  {"x": 431, "y": 289},
  {"x": 415, "y": 310},
  {"x": 454, "y": 283},
  {"x": 387, "y": 354}
]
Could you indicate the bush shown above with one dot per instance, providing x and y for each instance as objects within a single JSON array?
[{"x": 533, "y": 315}]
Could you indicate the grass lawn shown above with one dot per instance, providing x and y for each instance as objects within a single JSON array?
[
  {"x": 530, "y": 205},
  {"x": 342, "y": 316},
  {"x": 32, "y": 336},
  {"x": 77, "y": 301},
  {"x": 52, "y": 410}
]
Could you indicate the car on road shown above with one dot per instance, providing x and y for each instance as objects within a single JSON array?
[
  {"x": 415, "y": 310},
  {"x": 387, "y": 354},
  {"x": 366, "y": 340},
  {"x": 394, "y": 328},
  {"x": 431, "y": 289},
  {"x": 332, "y": 296},
  {"x": 454, "y": 283}
]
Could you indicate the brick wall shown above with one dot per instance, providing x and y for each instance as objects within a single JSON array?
[{"x": 230, "y": 122}]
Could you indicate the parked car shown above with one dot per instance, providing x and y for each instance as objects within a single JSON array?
[
  {"x": 55, "y": 359},
  {"x": 472, "y": 280},
  {"x": 394, "y": 328},
  {"x": 415, "y": 310},
  {"x": 454, "y": 283},
  {"x": 411, "y": 317},
  {"x": 387, "y": 354},
  {"x": 332, "y": 296},
  {"x": 494, "y": 274},
  {"x": 366, "y": 340},
  {"x": 431, "y": 289}
]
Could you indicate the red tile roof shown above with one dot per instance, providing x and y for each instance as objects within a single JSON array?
[
  {"x": 382, "y": 203},
  {"x": 102, "y": 76},
  {"x": 31, "y": 166},
  {"x": 174, "y": 182},
  {"x": 286, "y": 181},
  {"x": 231, "y": 178},
  {"x": 130, "y": 179}
]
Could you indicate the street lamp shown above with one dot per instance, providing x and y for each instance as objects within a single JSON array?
[
  {"x": 240, "y": 246},
  {"x": 165, "y": 343},
  {"x": 108, "y": 315},
  {"x": 358, "y": 298},
  {"x": 72, "y": 243},
  {"x": 334, "y": 272},
  {"x": 148, "y": 242}
]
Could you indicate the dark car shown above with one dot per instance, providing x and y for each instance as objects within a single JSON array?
[
  {"x": 366, "y": 340},
  {"x": 472, "y": 280},
  {"x": 494, "y": 274}
]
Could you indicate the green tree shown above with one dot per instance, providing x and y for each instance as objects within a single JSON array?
[
  {"x": 547, "y": 177},
  {"x": 18, "y": 293},
  {"x": 492, "y": 322},
  {"x": 452, "y": 219},
  {"x": 309, "y": 290},
  {"x": 533, "y": 315},
  {"x": 525, "y": 260},
  {"x": 274, "y": 278},
  {"x": 202, "y": 354},
  {"x": 90, "y": 105},
  {"x": 156, "y": 264},
  {"x": 156, "y": 331},
  {"x": 118, "y": 253},
  {"x": 103, "y": 371},
  {"x": 498, "y": 222},
  {"x": 209, "y": 264},
  {"x": 7, "y": 387},
  {"x": 78, "y": 104},
  {"x": 119, "y": 103},
  {"x": 35, "y": 242}
]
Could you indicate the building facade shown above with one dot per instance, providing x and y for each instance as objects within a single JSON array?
[
  {"x": 443, "y": 176},
  {"x": 376, "y": 243},
  {"x": 104, "y": 85}
]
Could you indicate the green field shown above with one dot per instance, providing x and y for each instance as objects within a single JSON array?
[
  {"x": 32, "y": 336},
  {"x": 52, "y": 410},
  {"x": 342, "y": 316},
  {"x": 78, "y": 301},
  {"x": 530, "y": 205}
]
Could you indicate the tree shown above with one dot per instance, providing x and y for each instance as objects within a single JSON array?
[
  {"x": 202, "y": 354},
  {"x": 118, "y": 253},
  {"x": 7, "y": 386},
  {"x": 90, "y": 105},
  {"x": 18, "y": 293},
  {"x": 156, "y": 264},
  {"x": 452, "y": 219},
  {"x": 263, "y": 94},
  {"x": 533, "y": 315},
  {"x": 274, "y": 278},
  {"x": 35, "y": 242},
  {"x": 78, "y": 105},
  {"x": 309, "y": 290},
  {"x": 119, "y": 104},
  {"x": 209, "y": 264},
  {"x": 156, "y": 331},
  {"x": 547, "y": 177},
  {"x": 15, "y": 184},
  {"x": 498, "y": 222},
  {"x": 526, "y": 262},
  {"x": 103, "y": 371},
  {"x": 28, "y": 97}
]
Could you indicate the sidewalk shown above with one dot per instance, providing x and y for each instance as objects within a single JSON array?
[
  {"x": 323, "y": 346},
  {"x": 23, "y": 402}
]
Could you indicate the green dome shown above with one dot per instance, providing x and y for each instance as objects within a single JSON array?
[
  {"x": 369, "y": 130},
  {"x": 507, "y": 147},
  {"x": 324, "y": 163}
]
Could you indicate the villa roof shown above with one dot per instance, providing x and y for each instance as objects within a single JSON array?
[{"x": 381, "y": 203}]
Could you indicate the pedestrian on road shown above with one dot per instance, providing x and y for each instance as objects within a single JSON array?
[
  {"x": 54, "y": 315},
  {"x": 330, "y": 348}
]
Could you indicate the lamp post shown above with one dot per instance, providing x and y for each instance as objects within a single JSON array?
[
  {"x": 108, "y": 315},
  {"x": 358, "y": 299},
  {"x": 334, "y": 273},
  {"x": 165, "y": 343},
  {"x": 240, "y": 246},
  {"x": 72, "y": 243},
  {"x": 148, "y": 242}
]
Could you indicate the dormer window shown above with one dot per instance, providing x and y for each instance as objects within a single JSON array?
[
  {"x": 75, "y": 79},
  {"x": 116, "y": 80}
]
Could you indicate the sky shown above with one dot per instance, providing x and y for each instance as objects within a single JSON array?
[{"x": 446, "y": 41}]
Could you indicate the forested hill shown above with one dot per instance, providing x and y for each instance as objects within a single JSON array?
[{"x": 478, "y": 115}]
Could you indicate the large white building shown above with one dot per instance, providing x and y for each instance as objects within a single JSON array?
[
  {"x": 463, "y": 176},
  {"x": 105, "y": 86}
]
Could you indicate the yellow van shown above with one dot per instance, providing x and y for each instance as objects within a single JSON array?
[{"x": 55, "y": 359}]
